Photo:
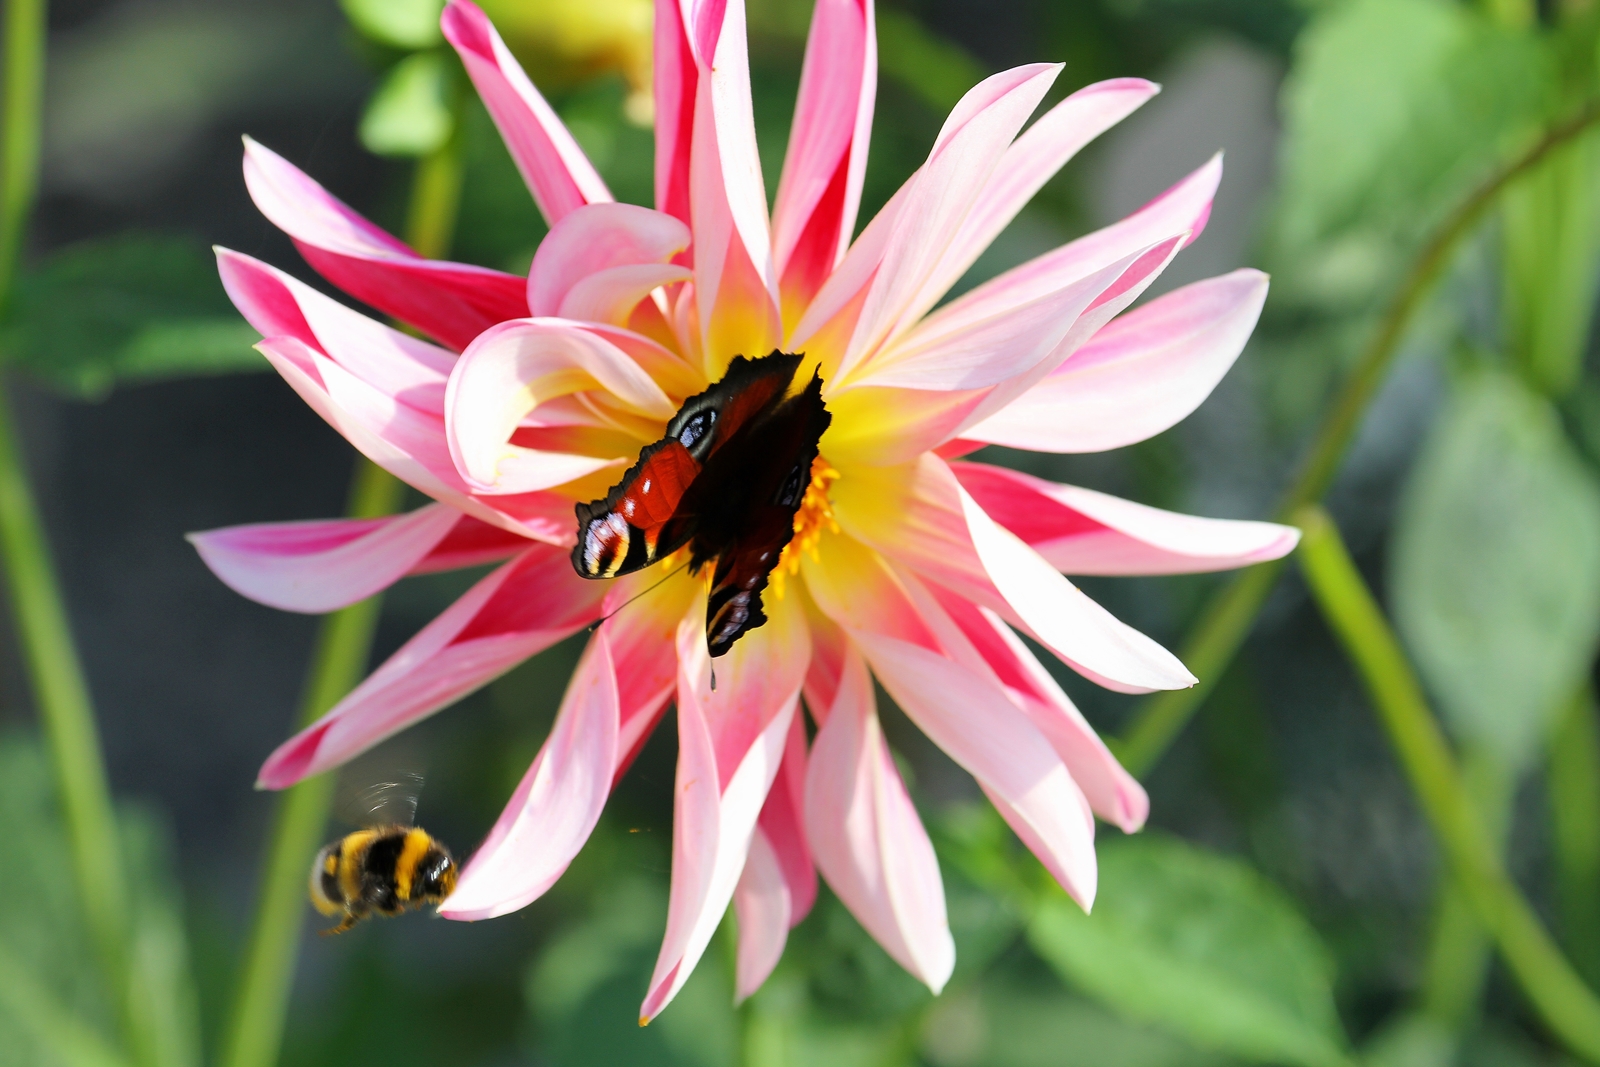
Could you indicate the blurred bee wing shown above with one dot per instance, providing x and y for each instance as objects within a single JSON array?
[
  {"x": 378, "y": 795},
  {"x": 393, "y": 801}
]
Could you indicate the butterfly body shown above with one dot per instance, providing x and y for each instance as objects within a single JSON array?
[{"x": 726, "y": 481}]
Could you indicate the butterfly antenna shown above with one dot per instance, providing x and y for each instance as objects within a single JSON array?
[{"x": 643, "y": 592}]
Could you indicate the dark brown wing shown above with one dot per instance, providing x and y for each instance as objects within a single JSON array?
[
  {"x": 744, "y": 505},
  {"x": 635, "y": 524}
]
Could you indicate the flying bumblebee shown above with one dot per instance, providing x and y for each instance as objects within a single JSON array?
[{"x": 383, "y": 869}]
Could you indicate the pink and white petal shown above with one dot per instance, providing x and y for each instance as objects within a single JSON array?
[
  {"x": 828, "y": 646},
  {"x": 867, "y": 838},
  {"x": 783, "y": 822},
  {"x": 844, "y": 292},
  {"x": 973, "y": 720},
  {"x": 1113, "y": 793},
  {"x": 676, "y": 78},
  {"x": 453, "y": 302},
  {"x": 314, "y": 567},
  {"x": 507, "y": 373},
  {"x": 596, "y": 238},
  {"x": 887, "y": 426},
  {"x": 408, "y": 369},
  {"x": 1141, "y": 374},
  {"x": 609, "y": 296},
  {"x": 523, "y": 607},
  {"x": 408, "y": 443},
  {"x": 1064, "y": 865},
  {"x": 814, "y": 213},
  {"x": 912, "y": 515},
  {"x": 470, "y": 543},
  {"x": 558, "y": 174},
  {"x": 733, "y": 285},
  {"x": 761, "y": 902},
  {"x": 1087, "y": 637},
  {"x": 725, "y": 81},
  {"x": 557, "y": 804},
  {"x": 404, "y": 441},
  {"x": 720, "y": 790},
  {"x": 642, "y": 612},
  {"x": 1035, "y": 157},
  {"x": 1112, "y": 301},
  {"x": 962, "y": 352},
  {"x": 1182, "y": 209},
  {"x": 943, "y": 195},
  {"x": 856, "y": 589},
  {"x": 676, "y": 376},
  {"x": 1080, "y": 531}
]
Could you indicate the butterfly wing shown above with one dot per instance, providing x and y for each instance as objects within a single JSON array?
[
  {"x": 747, "y": 500},
  {"x": 640, "y": 519}
]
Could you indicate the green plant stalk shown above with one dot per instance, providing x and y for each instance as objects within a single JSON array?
[
  {"x": 55, "y": 672},
  {"x": 1573, "y": 783},
  {"x": 34, "y": 1010},
  {"x": 1456, "y": 963},
  {"x": 19, "y": 155},
  {"x": 1556, "y": 992},
  {"x": 65, "y": 711},
  {"x": 261, "y": 1002},
  {"x": 255, "y": 1033},
  {"x": 1230, "y": 613}
]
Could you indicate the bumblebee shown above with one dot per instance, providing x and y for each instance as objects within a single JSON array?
[{"x": 383, "y": 869}]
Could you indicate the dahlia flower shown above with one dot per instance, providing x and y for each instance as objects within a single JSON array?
[{"x": 905, "y": 564}]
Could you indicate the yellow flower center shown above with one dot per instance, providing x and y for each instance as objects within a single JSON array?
[{"x": 815, "y": 515}]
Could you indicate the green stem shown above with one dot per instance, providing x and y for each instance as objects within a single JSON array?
[
  {"x": 65, "y": 712},
  {"x": 344, "y": 643},
  {"x": 435, "y": 196},
  {"x": 339, "y": 659},
  {"x": 1573, "y": 783},
  {"x": 19, "y": 156},
  {"x": 1228, "y": 616},
  {"x": 54, "y": 670},
  {"x": 1556, "y": 992},
  {"x": 1456, "y": 964}
]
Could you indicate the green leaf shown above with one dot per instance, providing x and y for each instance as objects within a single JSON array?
[
  {"x": 1201, "y": 946},
  {"x": 1496, "y": 566},
  {"x": 1023, "y": 1026},
  {"x": 1551, "y": 227},
  {"x": 29, "y": 1010},
  {"x": 409, "y": 114},
  {"x": 52, "y": 991},
  {"x": 122, "y": 310},
  {"x": 408, "y": 24},
  {"x": 1393, "y": 109}
]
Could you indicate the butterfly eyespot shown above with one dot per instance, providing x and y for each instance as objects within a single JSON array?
[{"x": 696, "y": 428}]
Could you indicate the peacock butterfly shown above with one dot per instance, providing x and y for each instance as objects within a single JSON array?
[{"x": 726, "y": 480}]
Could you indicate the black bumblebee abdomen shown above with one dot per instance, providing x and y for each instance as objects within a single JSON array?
[{"x": 378, "y": 872}]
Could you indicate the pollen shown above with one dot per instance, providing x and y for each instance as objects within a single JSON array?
[{"x": 815, "y": 516}]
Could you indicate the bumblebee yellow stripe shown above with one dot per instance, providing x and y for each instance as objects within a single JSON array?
[
  {"x": 405, "y": 869},
  {"x": 351, "y": 856}
]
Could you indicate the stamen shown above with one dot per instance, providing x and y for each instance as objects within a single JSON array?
[{"x": 815, "y": 515}]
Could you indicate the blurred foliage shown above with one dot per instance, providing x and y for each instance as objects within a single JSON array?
[
  {"x": 1200, "y": 945},
  {"x": 1496, "y": 563},
  {"x": 54, "y": 1005},
  {"x": 122, "y": 310}
]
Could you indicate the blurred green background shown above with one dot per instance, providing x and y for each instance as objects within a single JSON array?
[{"x": 1287, "y": 905}]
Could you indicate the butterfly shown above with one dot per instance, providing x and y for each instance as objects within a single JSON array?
[{"x": 726, "y": 480}]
